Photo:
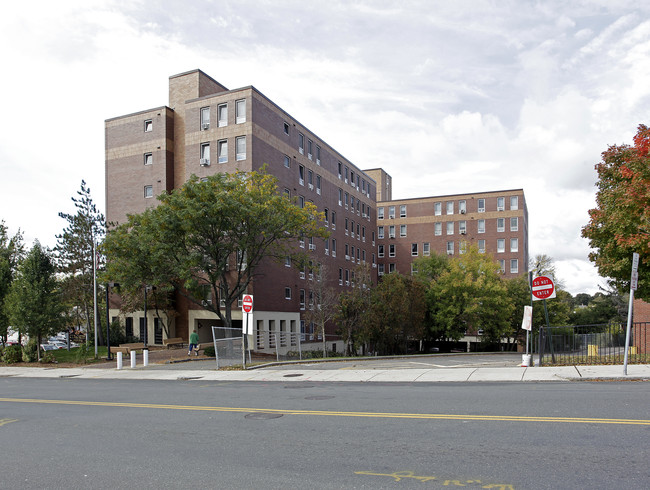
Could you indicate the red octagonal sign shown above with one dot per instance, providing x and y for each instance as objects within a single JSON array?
[
  {"x": 247, "y": 303},
  {"x": 543, "y": 288}
]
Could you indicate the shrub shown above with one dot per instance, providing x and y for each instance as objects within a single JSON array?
[
  {"x": 81, "y": 356},
  {"x": 30, "y": 353},
  {"x": 12, "y": 354},
  {"x": 209, "y": 351},
  {"x": 48, "y": 358}
]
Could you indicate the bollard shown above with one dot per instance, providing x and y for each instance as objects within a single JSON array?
[
  {"x": 119, "y": 360},
  {"x": 145, "y": 357},
  {"x": 132, "y": 354}
]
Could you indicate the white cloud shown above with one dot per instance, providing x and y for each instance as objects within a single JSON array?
[{"x": 468, "y": 97}]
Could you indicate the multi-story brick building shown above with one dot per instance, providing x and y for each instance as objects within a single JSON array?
[
  {"x": 208, "y": 129},
  {"x": 494, "y": 222}
]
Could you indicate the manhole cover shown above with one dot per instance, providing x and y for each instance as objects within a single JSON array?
[
  {"x": 319, "y": 397},
  {"x": 263, "y": 416},
  {"x": 293, "y": 375}
]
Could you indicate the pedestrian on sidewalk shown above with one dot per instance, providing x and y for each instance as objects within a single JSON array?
[{"x": 194, "y": 343}]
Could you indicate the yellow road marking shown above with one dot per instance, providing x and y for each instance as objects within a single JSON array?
[
  {"x": 333, "y": 413},
  {"x": 7, "y": 421}
]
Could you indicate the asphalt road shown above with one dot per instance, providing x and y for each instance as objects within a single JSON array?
[{"x": 74, "y": 433}]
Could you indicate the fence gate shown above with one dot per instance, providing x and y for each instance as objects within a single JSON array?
[{"x": 228, "y": 348}]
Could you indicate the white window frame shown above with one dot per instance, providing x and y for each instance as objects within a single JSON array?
[
  {"x": 437, "y": 209},
  {"x": 402, "y": 211},
  {"x": 514, "y": 223},
  {"x": 480, "y": 226},
  {"x": 380, "y": 212},
  {"x": 391, "y": 212},
  {"x": 501, "y": 203},
  {"x": 222, "y": 151},
  {"x": 514, "y": 266},
  {"x": 514, "y": 244},
  {"x": 501, "y": 225},
  {"x": 205, "y": 118},
  {"x": 450, "y": 207},
  {"x": 462, "y": 207},
  {"x": 414, "y": 249},
  {"x": 222, "y": 115},
  {"x": 148, "y": 125},
  {"x": 481, "y": 246},
  {"x": 205, "y": 152},
  {"x": 148, "y": 158},
  {"x": 450, "y": 227},
  {"x": 301, "y": 143},
  {"x": 402, "y": 230},
  {"x": 240, "y": 155},
  {"x": 426, "y": 249},
  {"x": 287, "y": 161},
  {"x": 391, "y": 250},
  {"x": 437, "y": 229},
  {"x": 501, "y": 245},
  {"x": 514, "y": 203},
  {"x": 481, "y": 205},
  {"x": 148, "y": 191},
  {"x": 380, "y": 232},
  {"x": 240, "y": 111}
]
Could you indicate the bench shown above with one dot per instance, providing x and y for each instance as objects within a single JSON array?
[
  {"x": 127, "y": 348},
  {"x": 173, "y": 341}
]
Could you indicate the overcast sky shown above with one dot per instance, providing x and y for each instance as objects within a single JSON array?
[{"x": 447, "y": 96}]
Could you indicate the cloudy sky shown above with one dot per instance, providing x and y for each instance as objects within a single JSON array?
[{"x": 447, "y": 96}]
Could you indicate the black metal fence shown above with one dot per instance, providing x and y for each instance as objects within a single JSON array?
[{"x": 592, "y": 344}]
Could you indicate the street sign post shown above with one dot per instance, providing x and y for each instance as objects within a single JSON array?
[
  {"x": 634, "y": 280},
  {"x": 543, "y": 288},
  {"x": 247, "y": 322}
]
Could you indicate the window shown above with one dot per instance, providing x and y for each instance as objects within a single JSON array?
[
  {"x": 414, "y": 249},
  {"x": 287, "y": 161},
  {"x": 402, "y": 211},
  {"x": 380, "y": 213},
  {"x": 501, "y": 224},
  {"x": 414, "y": 268},
  {"x": 450, "y": 248},
  {"x": 380, "y": 251},
  {"x": 380, "y": 269},
  {"x": 310, "y": 179},
  {"x": 222, "y": 115},
  {"x": 302, "y": 299},
  {"x": 240, "y": 146},
  {"x": 402, "y": 230},
  {"x": 301, "y": 174},
  {"x": 437, "y": 208},
  {"x": 317, "y": 155},
  {"x": 450, "y": 228},
  {"x": 148, "y": 158},
  {"x": 514, "y": 266},
  {"x": 462, "y": 227},
  {"x": 501, "y": 245},
  {"x": 222, "y": 150},
  {"x": 309, "y": 148},
  {"x": 327, "y": 246},
  {"x": 462, "y": 247},
  {"x": 333, "y": 247},
  {"x": 481, "y": 226},
  {"x": 481, "y": 205},
  {"x": 481, "y": 246},
  {"x": 205, "y": 154},
  {"x": 391, "y": 231},
  {"x": 205, "y": 118},
  {"x": 514, "y": 224},
  {"x": 339, "y": 166},
  {"x": 501, "y": 203},
  {"x": 148, "y": 126},
  {"x": 380, "y": 232},
  {"x": 287, "y": 261},
  {"x": 437, "y": 229},
  {"x": 426, "y": 249},
  {"x": 240, "y": 111},
  {"x": 514, "y": 245},
  {"x": 287, "y": 293},
  {"x": 334, "y": 220},
  {"x": 462, "y": 207},
  {"x": 287, "y": 193},
  {"x": 450, "y": 207},
  {"x": 352, "y": 178},
  {"x": 148, "y": 191},
  {"x": 301, "y": 201},
  {"x": 286, "y": 128},
  {"x": 391, "y": 212},
  {"x": 391, "y": 250},
  {"x": 502, "y": 265},
  {"x": 318, "y": 184},
  {"x": 301, "y": 143},
  {"x": 391, "y": 268},
  {"x": 347, "y": 172},
  {"x": 514, "y": 203}
]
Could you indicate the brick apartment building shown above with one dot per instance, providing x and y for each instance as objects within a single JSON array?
[{"x": 208, "y": 129}]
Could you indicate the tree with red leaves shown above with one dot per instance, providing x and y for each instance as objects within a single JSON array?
[{"x": 620, "y": 224}]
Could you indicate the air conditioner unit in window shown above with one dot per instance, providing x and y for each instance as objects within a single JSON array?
[
  {"x": 450, "y": 252},
  {"x": 462, "y": 211},
  {"x": 463, "y": 233},
  {"x": 374, "y": 266},
  {"x": 500, "y": 208},
  {"x": 205, "y": 126},
  {"x": 204, "y": 162},
  {"x": 312, "y": 246}
]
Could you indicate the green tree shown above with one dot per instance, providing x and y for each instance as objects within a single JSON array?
[
  {"x": 620, "y": 223},
  {"x": 323, "y": 308},
  {"x": 11, "y": 252},
  {"x": 211, "y": 235},
  {"x": 396, "y": 313},
  {"x": 34, "y": 301},
  {"x": 471, "y": 295},
  {"x": 74, "y": 258},
  {"x": 351, "y": 309}
]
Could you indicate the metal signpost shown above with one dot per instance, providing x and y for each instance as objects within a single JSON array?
[
  {"x": 247, "y": 323},
  {"x": 543, "y": 288},
  {"x": 633, "y": 285}
]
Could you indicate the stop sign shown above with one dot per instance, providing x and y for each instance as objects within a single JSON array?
[
  {"x": 247, "y": 303},
  {"x": 543, "y": 288}
]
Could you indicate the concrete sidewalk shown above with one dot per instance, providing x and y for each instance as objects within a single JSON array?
[{"x": 480, "y": 374}]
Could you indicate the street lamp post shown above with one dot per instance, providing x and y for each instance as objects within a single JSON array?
[{"x": 108, "y": 320}]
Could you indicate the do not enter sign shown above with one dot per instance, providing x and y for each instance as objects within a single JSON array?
[
  {"x": 247, "y": 303},
  {"x": 543, "y": 288}
]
